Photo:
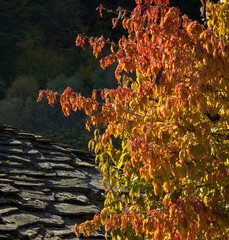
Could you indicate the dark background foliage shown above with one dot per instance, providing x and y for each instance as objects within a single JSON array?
[{"x": 37, "y": 49}]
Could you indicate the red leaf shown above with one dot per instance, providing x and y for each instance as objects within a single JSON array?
[
  {"x": 94, "y": 94},
  {"x": 100, "y": 10},
  {"x": 41, "y": 93}
]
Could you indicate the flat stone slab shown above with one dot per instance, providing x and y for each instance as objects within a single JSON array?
[
  {"x": 7, "y": 210},
  {"x": 27, "y": 172},
  {"x": 68, "y": 197},
  {"x": 50, "y": 158},
  {"x": 31, "y": 152},
  {"x": 5, "y": 180},
  {"x": 39, "y": 195},
  {"x": 52, "y": 165},
  {"x": 8, "y": 189},
  {"x": 29, "y": 232},
  {"x": 24, "y": 178},
  {"x": 71, "y": 174},
  {"x": 11, "y": 141},
  {"x": 14, "y": 158},
  {"x": 27, "y": 184},
  {"x": 10, "y": 164},
  {"x": 22, "y": 219},
  {"x": 8, "y": 227},
  {"x": 34, "y": 205},
  {"x": 51, "y": 220},
  {"x": 72, "y": 184},
  {"x": 10, "y": 150},
  {"x": 74, "y": 210}
]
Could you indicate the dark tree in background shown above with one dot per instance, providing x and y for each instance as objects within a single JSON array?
[{"x": 37, "y": 49}]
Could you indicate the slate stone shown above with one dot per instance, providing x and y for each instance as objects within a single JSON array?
[
  {"x": 27, "y": 172},
  {"x": 14, "y": 158},
  {"x": 10, "y": 164},
  {"x": 84, "y": 164},
  {"x": 26, "y": 136},
  {"x": 30, "y": 232},
  {"x": 31, "y": 152},
  {"x": 97, "y": 183},
  {"x": 39, "y": 195},
  {"x": 72, "y": 184},
  {"x": 5, "y": 180},
  {"x": 26, "y": 143},
  {"x": 51, "y": 165},
  {"x": 69, "y": 197},
  {"x": 71, "y": 174},
  {"x": 39, "y": 139},
  {"x": 50, "y": 147},
  {"x": 59, "y": 232},
  {"x": 51, "y": 220},
  {"x": 74, "y": 210},
  {"x": 10, "y": 142},
  {"x": 10, "y": 150},
  {"x": 48, "y": 158},
  {"x": 8, "y": 189},
  {"x": 34, "y": 205},
  {"x": 22, "y": 219},
  {"x": 51, "y": 152},
  {"x": 26, "y": 178},
  {"x": 7, "y": 210},
  {"x": 7, "y": 237},
  {"x": 8, "y": 227},
  {"x": 27, "y": 184}
]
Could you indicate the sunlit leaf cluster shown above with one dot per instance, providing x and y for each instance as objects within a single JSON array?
[{"x": 169, "y": 176}]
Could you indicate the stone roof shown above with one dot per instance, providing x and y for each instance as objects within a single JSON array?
[{"x": 45, "y": 187}]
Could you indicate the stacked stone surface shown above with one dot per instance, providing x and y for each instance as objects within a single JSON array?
[{"x": 45, "y": 187}]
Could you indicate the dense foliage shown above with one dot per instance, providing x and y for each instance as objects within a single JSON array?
[
  {"x": 37, "y": 51},
  {"x": 168, "y": 179}
]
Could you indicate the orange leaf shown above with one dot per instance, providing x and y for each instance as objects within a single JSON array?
[
  {"x": 94, "y": 94},
  {"x": 100, "y": 10},
  {"x": 41, "y": 93}
]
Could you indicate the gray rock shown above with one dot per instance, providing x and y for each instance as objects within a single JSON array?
[
  {"x": 34, "y": 205},
  {"x": 14, "y": 158},
  {"x": 51, "y": 165},
  {"x": 27, "y": 184},
  {"x": 10, "y": 150},
  {"x": 72, "y": 184},
  {"x": 29, "y": 232},
  {"x": 10, "y": 142},
  {"x": 27, "y": 172},
  {"x": 49, "y": 158},
  {"x": 26, "y": 178},
  {"x": 8, "y": 189},
  {"x": 68, "y": 197},
  {"x": 8, "y": 227},
  {"x": 7, "y": 210},
  {"x": 74, "y": 210},
  {"x": 10, "y": 164},
  {"x": 71, "y": 174},
  {"x": 5, "y": 180},
  {"x": 39, "y": 195},
  {"x": 48, "y": 219},
  {"x": 31, "y": 151},
  {"x": 21, "y": 219}
]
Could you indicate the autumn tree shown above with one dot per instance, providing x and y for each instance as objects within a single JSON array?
[{"x": 169, "y": 178}]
